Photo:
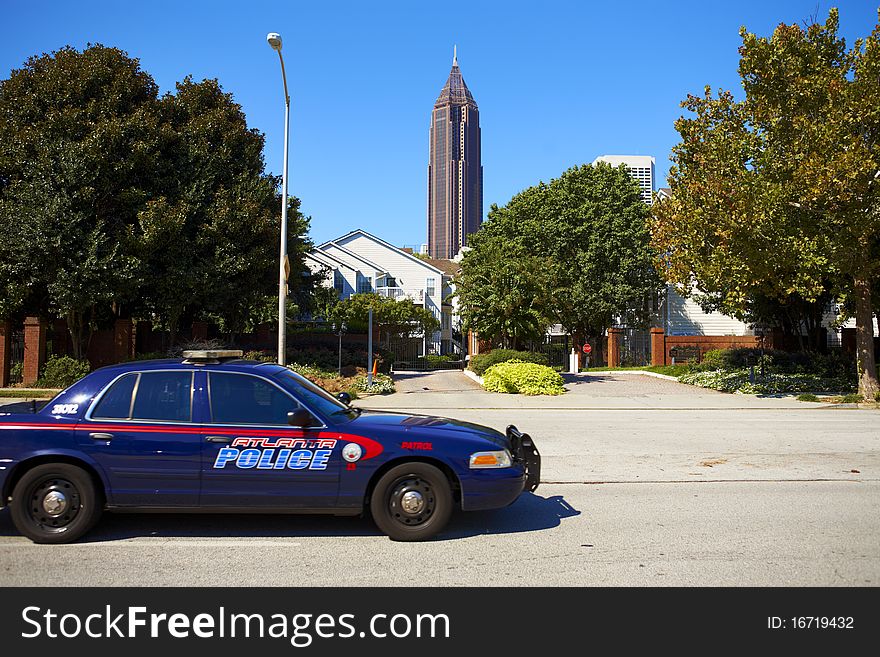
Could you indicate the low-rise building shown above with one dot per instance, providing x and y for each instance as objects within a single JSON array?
[{"x": 359, "y": 262}]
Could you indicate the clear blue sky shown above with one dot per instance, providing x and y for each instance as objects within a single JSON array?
[{"x": 558, "y": 83}]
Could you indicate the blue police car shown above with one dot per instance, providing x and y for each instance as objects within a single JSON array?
[{"x": 215, "y": 433}]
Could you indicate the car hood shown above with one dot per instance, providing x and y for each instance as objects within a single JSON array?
[{"x": 427, "y": 425}]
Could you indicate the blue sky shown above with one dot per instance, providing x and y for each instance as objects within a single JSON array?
[{"x": 557, "y": 83}]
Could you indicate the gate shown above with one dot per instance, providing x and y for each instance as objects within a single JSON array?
[
  {"x": 635, "y": 347},
  {"x": 409, "y": 356},
  {"x": 16, "y": 356}
]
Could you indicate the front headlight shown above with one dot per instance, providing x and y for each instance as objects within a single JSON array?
[{"x": 490, "y": 460}]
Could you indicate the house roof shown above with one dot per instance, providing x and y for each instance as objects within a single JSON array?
[
  {"x": 370, "y": 236},
  {"x": 448, "y": 267},
  {"x": 357, "y": 256},
  {"x": 327, "y": 259}
]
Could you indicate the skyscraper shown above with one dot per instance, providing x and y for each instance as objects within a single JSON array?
[
  {"x": 641, "y": 168},
  {"x": 455, "y": 175}
]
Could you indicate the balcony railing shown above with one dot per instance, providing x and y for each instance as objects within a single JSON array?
[{"x": 392, "y": 292}]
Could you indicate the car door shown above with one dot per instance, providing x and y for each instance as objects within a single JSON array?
[
  {"x": 141, "y": 431},
  {"x": 252, "y": 457}
]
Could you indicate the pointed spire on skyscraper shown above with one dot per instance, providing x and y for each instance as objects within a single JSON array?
[{"x": 455, "y": 91}]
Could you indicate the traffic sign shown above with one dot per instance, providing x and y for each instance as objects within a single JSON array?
[{"x": 587, "y": 348}]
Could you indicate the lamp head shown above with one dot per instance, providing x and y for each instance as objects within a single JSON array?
[{"x": 274, "y": 40}]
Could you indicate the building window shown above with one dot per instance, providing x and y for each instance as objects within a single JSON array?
[
  {"x": 364, "y": 283},
  {"x": 338, "y": 282},
  {"x": 429, "y": 287}
]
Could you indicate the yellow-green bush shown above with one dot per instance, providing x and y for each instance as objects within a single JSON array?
[{"x": 515, "y": 376}]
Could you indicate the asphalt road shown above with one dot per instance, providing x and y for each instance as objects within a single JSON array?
[{"x": 644, "y": 484}]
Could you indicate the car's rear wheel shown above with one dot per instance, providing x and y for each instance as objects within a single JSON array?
[
  {"x": 55, "y": 503},
  {"x": 412, "y": 502}
]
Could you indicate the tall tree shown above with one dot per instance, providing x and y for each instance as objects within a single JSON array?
[
  {"x": 78, "y": 158},
  {"x": 778, "y": 194},
  {"x": 581, "y": 251},
  {"x": 503, "y": 291},
  {"x": 114, "y": 201}
]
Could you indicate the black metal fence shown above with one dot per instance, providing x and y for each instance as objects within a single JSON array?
[
  {"x": 409, "y": 356},
  {"x": 635, "y": 347}
]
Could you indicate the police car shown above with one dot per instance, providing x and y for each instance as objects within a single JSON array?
[{"x": 215, "y": 433}]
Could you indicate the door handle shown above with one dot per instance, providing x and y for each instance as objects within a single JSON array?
[
  {"x": 225, "y": 440},
  {"x": 101, "y": 436}
]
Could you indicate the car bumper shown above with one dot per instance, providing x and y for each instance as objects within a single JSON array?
[{"x": 493, "y": 489}]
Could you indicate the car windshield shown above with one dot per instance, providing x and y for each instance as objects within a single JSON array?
[{"x": 315, "y": 397}]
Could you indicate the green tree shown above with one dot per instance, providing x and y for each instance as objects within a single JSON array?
[
  {"x": 115, "y": 202},
  {"x": 503, "y": 291},
  {"x": 395, "y": 318},
  {"x": 584, "y": 259},
  {"x": 778, "y": 194},
  {"x": 78, "y": 158}
]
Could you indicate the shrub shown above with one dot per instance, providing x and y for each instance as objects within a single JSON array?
[
  {"x": 833, "y": 365},
  {"x": 61, "y": 372},
  {"x": 382, "y": 384},
  {"x": 808, "y": 397},
  {"x": 482, "y": 362},
  {"x": 851, "y": 399},
  {"x": 16, "y": 372},
  {"x": 261, "y": 356},
  {"x": 524, "y": 378},
  {"x": 738, "y": 381}
]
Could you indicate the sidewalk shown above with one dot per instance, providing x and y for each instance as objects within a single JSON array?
[{"x": 587, "y": 391}]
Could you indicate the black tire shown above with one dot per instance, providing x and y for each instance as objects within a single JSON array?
[
  {"x": 418, "y": 516},
  {"x": 55, "y": 503}
]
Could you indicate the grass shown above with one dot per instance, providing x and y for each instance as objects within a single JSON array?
[{"x": 27, "y": 394}]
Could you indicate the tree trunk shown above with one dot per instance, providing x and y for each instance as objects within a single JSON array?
[
  {"x": 865, "y": 358},
  {"x": 76, "y": 327}
]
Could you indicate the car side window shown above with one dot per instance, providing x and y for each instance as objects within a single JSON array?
[
  {"x": 164, "y": 396},
  {"x": 245, "y": 399},
  {"x": 116, "y": 402}
]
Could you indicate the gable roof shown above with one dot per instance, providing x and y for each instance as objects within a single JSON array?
[
  {"x": 321, "y": 256},
  {"x": 379, "y": 240},
  {"x": 357, "y": 256}
]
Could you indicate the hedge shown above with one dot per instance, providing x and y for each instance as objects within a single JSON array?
[
  {"x": 523, "y": 378},
  {"x": 482, "y": 362}
]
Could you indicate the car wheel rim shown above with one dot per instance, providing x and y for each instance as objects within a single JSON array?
[
  {"x": 53, "y": 503},
  {"x": 412, "y": 501}
]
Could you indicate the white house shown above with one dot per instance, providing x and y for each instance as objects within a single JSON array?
[{"x": 360, "y": 262}]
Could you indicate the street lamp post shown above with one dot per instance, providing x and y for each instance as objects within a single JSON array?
[{"x": 274, "y": 40}]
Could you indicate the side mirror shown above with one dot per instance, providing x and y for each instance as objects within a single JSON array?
[
  {"x": 344, "y": 397},
  {"x": 299, "y": 418}
]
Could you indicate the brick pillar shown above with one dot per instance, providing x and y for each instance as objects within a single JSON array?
[
  {"x": 658, "y": 346},
  {"x": 123, "y": 348},
  {"x": 614, "y": 337},
  {"x": 34, "y": 349},
  {"x": 5, "y": 352},
  {"x": 199, "y": 331},
  {"x": 848, "y": 340}
]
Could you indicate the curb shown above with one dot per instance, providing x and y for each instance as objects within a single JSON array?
[
  {"x": 642, "y": 372},
  {"x": 472, "y": 375}
]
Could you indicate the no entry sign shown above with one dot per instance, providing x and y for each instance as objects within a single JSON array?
[{"x": 587, "y": 348}]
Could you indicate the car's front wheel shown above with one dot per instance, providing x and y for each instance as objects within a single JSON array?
[
  {"x": 55, "y": 503},
  {"x": 412, "y": 502}
]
